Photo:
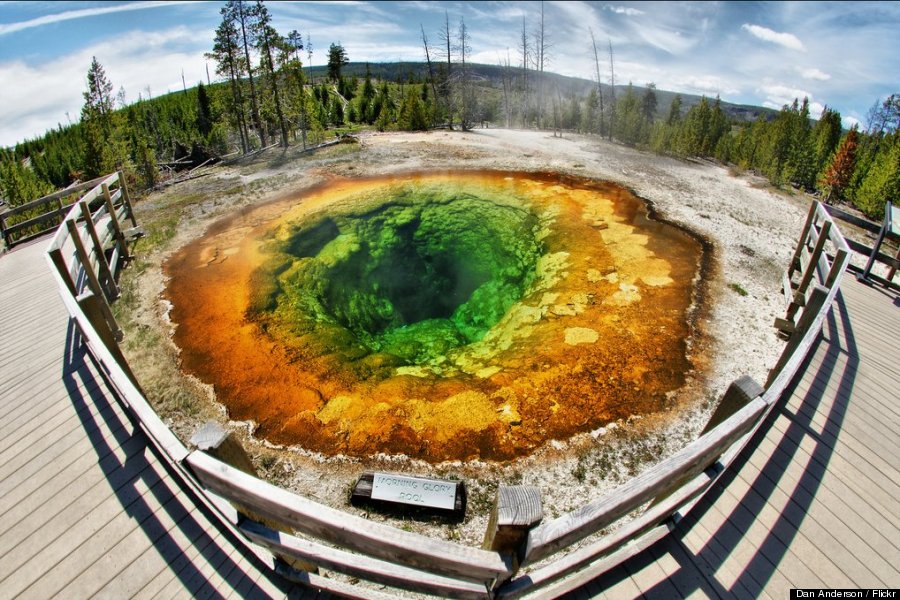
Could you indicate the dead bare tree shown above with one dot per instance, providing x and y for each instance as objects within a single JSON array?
[
  {"x": 612, "y": 92},
  {"x": 445, "y": 35},
  {"x": 430, "y": 71},
  {"x": 525, "y": 53},
  {"x": 507, "y": 77},
  {"x": 465, "y": 88},
  {"x": 542, "y": 60},
  {"x": 599, "y": 83}
]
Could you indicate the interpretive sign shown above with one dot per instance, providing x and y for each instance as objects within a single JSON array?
[
  {"x": 438, "y": 495},
  {"x": 413, "y": 490}
]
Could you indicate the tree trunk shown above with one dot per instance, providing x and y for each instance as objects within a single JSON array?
[{"x": 254, "y": 104}]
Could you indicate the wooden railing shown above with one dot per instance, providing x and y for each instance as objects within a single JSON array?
[
  {"x": 298, "y": 536},
  {"x": 26, "y": 222},
  {"x": 889, "y": 229}
]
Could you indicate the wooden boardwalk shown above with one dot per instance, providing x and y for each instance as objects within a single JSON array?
[{"x": 88, "y": 510}]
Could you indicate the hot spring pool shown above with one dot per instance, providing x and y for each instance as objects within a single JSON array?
[{"x": 446, "y": 315}]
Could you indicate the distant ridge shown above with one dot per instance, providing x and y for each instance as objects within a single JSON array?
[{"x": 492, "y": 75}]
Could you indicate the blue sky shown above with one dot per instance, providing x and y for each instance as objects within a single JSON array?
[{"x": 840, "y": 54}]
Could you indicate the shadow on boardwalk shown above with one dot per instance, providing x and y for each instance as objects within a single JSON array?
[
  {"x": 149, "y": 492},
  {"x": 832, "y": 364}
]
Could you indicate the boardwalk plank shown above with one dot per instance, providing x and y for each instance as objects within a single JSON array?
[{"x": 830, "y": 488}]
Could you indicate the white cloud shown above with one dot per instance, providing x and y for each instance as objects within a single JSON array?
[
  {"x": 814, "y": 74},
  {"x": 667, "y": 40},
  {"x": 623, "y": 10},
  {"x": 81, "y": 14},
  {"x": 849, "y": 122},
  {"x": 788, "y": 40},
  {"x": 44, "y": 93},
  {"x": 777, "y": 95},
  {"x": 708, "y": 85},
  {"x": 816, "y": 109}
]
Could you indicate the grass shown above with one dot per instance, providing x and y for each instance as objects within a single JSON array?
[
  {"x": 580, "y": 470},
  {"x": 737, "y": 288}
]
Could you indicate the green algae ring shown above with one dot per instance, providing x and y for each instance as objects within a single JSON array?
[{"x": 441, "y": 316}]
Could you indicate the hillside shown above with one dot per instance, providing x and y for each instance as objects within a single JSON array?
[{"x": 492, "y": 76}]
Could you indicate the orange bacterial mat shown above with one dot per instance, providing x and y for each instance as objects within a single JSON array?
[{"x": 447, "y": 315}]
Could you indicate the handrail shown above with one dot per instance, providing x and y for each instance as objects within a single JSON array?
[
  {"x": 889, "y": 229},
  {"x": 56, "y": 214},
  {"x": 267, "y": 517}
]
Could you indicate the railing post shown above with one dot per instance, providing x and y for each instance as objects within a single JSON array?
[
  {"x": 60, "y": 263},
  {"x": 838, "y": 266},
  {"x": 810, "y": 217},
  {"x": 893, "y": 269},
  {"x": 105, "y": 271},
  {"x": 809, "y": 270},
  {"x": 3, "y": 230},
  {"x": 517, "y": 509},
  {"x": 127, "y": 199},
  {"x": 92, "y": 307},
  {"x": 740, "y": 393},
  {"x": 61, "y": 208},
  {"x": 93, "y": 283},
  {"x": 815, "y": 304},
  {"x": 222, "y": 445},
  {"x": 881, "y": 234},
  {"x": 117, "y": 227}
]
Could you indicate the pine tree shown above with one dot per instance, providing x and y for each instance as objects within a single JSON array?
[
  {"x": 628, "y": 126},
  {"x": 718, "y": 128},
  {"x": 237, "y": 13},
  {"x": 413, "y": 116},
  {"x": 337, "y": 60},
  {"x": 229, "y": 62},
  {"x": 97, "y": 123},
  {"x": 266, "y": 41},
  {"x": 826, "y": 136},
  {"x": 366, "y": 98},
  {"x": 384, "y": 119},
  {"x": 648, "y": 103},
  {"x": 591, "y": 114},
  {"x": 882, "y": 181},
  {"x": 837, "y": 175},
  {"x": 204, "y": 111},
  {"x": 20, "y": 184},
  {"x": 674, "y": 116},
  {"x": 337, "y": 111},
  {"x": 801, "y": 166},
  {"x": 291, "y": 64},
  {"x": 664, "y": 134},
  {"x": 693, "y": 134},
  {"x": 773, "y": 159}
]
